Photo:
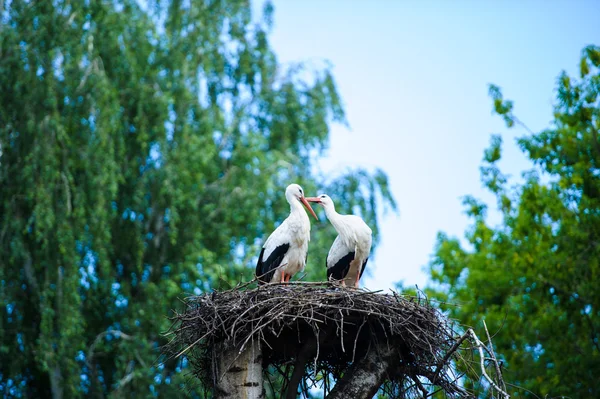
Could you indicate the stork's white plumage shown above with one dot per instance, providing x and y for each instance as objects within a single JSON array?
[
  {"x": 349, "y": 253},
  {"x": 284, "y": 252}
]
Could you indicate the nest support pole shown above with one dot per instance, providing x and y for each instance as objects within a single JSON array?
[{"x": 238, "y": 374}]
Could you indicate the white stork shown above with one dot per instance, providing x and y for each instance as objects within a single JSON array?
[
  {"x": 285, "y": 250},
  {"x": 349, "y": 253}
]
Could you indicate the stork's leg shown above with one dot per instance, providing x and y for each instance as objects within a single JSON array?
[
  {"x": 287, "y": 278},
  {"x": 282, "y": 277},
  {"x": 357, "y": 278}
]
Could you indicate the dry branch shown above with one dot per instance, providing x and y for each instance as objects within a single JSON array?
[{"x": 482, "y": 359}]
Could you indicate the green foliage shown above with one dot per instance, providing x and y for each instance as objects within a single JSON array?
[
  {"x": 144, "y": 150},
  {"x": 534, "y": 278}
]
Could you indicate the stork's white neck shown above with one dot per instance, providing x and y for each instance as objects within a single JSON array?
[
  {"x": 335, "y": 219},
  {"x": 341, "y": 225},
  {"x": 296, "y": 206},
  {"x": 298, "y": 219}
]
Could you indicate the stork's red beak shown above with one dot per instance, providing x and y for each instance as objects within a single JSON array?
[
  {"x": 307, "y": 205},
  {"x": 316, "y": 200}
]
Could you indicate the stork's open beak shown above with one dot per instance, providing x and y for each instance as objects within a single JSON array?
[{"x": 307, "y": 205}]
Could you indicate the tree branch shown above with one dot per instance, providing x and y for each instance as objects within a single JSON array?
[
  {"x": 494, "y": 360},
  {"x": 30, "y": 275},
  {"x": 365, "y": 376},
  {"x": 444, "y": 360},
  {"x": 307, "y": 351},
  {"x": 479, "y": 346},
  {"x": 116, "y": 333}
]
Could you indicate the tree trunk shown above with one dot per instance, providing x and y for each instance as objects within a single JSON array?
[
  {"x": 56, "y": 382},
  {"x": 366, "y": 375},
  {"x": 239, "y": 375}
]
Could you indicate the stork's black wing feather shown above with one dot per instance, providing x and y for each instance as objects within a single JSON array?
[
  {"x": 259, "y": 264},
  {"x": 340, "y": 269},
  {"x": 266, "y": 269}
]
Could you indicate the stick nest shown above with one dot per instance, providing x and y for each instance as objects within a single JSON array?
[{"x": 340, "y": 325}]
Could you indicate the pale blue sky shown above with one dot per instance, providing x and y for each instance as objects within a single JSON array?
[{"x": 414, "y": 78}]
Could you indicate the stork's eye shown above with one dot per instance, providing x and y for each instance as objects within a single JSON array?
[{"x": 323, "y": 196}]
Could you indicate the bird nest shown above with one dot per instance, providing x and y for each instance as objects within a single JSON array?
[{"x": 336, "y": 325}]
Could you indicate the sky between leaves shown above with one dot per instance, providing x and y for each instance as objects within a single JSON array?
[{"x": 414, "y": 79}]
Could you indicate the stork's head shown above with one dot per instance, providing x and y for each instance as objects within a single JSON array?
[
  {"x": 294, "y": 192},
  {"x": 324, "y": 200}
]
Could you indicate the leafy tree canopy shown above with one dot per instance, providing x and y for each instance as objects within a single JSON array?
[
  {"x": 144, "y": 151},
  {"x": 534, "y": 278}
]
